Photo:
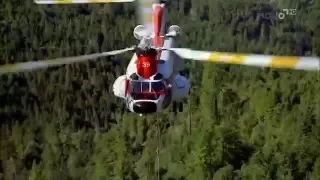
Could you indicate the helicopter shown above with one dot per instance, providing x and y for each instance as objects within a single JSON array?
[{"x": 153, "y": 79}]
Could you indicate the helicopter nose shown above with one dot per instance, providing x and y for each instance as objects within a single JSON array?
[{"x": 144, "y": 107}]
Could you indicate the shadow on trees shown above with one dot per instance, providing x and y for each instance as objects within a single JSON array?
[
  {"x": 14, "y": 97},
  {"x": 236, "y": 152}
]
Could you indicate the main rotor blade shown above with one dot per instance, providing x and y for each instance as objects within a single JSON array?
[
  {"x": 79, "y": 1},
  {"x": 289, "y": 62},
  {"x": 145, "y": 11},
  {"x": 28, "y": 66}
]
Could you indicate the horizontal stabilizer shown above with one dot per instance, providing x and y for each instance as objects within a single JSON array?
[{"x": 79, "y": 1}]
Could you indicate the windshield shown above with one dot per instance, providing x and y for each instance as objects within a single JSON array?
[
  {"x": 148, "y": 90},
  {"x": 139, "y": 87},
  {"x": 157, "y": 86}
]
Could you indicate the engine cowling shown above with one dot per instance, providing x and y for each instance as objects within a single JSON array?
[
  {"x": 140, "y": 31},
  {"x": 173, "y": 31}
]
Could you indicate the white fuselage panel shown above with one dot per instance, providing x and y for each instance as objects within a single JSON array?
[{"x": 132, "y": 67}]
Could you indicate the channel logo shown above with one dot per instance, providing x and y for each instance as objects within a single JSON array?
[{"x": 277, "y": 15}]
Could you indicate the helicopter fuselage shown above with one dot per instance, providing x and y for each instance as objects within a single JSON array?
[{"x": 152, "y": 80}]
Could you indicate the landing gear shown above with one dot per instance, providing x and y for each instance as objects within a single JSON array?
[
  {"x": 180, "y": 107},
  {"x": 174, "y": 108},
  {"x": 177, "y": 106}
]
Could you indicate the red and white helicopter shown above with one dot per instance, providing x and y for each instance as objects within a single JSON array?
[{"x": 153, "y": 80}]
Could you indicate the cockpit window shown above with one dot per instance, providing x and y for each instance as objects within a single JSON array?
[
  {"x": 157, "y": 86},
  {"x": 147, "y": 90},
  {"x": 145, "y": 86},
  {"x": 135, "y": 87}
]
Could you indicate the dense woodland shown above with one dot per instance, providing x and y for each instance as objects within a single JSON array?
[{"x": 239, "y": 122}]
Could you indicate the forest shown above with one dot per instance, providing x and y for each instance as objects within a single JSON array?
[{"x": 239, "y": 122}]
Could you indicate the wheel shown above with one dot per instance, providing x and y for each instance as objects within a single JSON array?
[
  {"x": 180, "y": 106},
  {"x": 174, "y": 107}
]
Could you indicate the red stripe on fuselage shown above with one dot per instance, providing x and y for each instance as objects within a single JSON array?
[{"x": 127, "y": 87}]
